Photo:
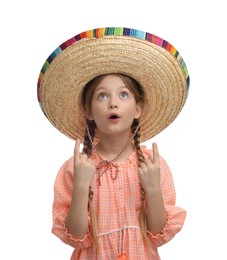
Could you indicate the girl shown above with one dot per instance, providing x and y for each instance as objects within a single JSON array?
[{"x": 116, "y": 199}]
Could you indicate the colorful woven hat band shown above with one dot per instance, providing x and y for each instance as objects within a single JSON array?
[
  {"x": 152, "y": 61},
  {"x": 100, "y": 32}
]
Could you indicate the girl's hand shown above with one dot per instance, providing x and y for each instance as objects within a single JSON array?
[
  {"x": 149, "y": 172},
  {"x": 84, "y": 168}
]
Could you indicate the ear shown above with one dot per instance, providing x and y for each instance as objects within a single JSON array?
[
  {"x": 138, "y": 111},
  {"x": 89, "y": 116}
]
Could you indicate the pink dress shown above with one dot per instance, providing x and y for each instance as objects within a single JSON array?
[{"x": 116, "y": 203}]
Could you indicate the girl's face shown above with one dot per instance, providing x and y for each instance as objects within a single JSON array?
[{"x": 113, "y": 106}]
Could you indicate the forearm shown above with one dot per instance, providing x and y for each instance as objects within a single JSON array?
[
  {"x": 156, "y": 217},
  {"x": 77, "y": 219}
]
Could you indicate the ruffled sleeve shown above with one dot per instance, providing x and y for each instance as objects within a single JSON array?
[
  {"x": 62, "y": 198},
  {"x": 175, "y": 215}
]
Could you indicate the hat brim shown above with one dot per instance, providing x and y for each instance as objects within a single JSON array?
[{"x": 158, "y": 68}]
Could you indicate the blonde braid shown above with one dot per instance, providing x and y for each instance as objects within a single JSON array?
[
  {"x": 93, "y": 218},
  {"x": 135, "y": 127},
  {"x": 87, "y": 149},
  {"x": 141, "y": 159},
  {"x": 88, "y": 137}
]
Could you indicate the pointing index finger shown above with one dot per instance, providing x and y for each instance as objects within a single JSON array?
[
  {"x": 155, "y": 153},
  {"x": 77, "y": 150}
]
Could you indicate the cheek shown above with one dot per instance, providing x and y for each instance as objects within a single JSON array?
[
  {"x": 133, "y": 109},
  {"x": 96, "y": 112},
  {"x": 95, "y": 108}
]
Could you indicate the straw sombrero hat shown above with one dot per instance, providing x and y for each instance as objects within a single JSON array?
[{"x": 150, "y": 60}]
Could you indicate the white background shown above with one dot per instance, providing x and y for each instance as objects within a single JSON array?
[{"x": 32, "y": 151}]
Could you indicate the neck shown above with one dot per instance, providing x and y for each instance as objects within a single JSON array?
[{"x": 110, "y": 147}]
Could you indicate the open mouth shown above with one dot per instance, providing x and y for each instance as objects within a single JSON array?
[{"x": 113, "y": 116}]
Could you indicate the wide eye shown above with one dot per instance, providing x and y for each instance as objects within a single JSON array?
[
  {"x": 102, "y": 96},
  {"x": 123, "y": 95}
]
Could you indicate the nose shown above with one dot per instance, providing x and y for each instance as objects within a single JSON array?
[
  {"x": 113, "y": 106},
  {"x": 113, "y": 103}
]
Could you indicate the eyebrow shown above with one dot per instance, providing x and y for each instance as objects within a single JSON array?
[{"x": 104, "y": 88}]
